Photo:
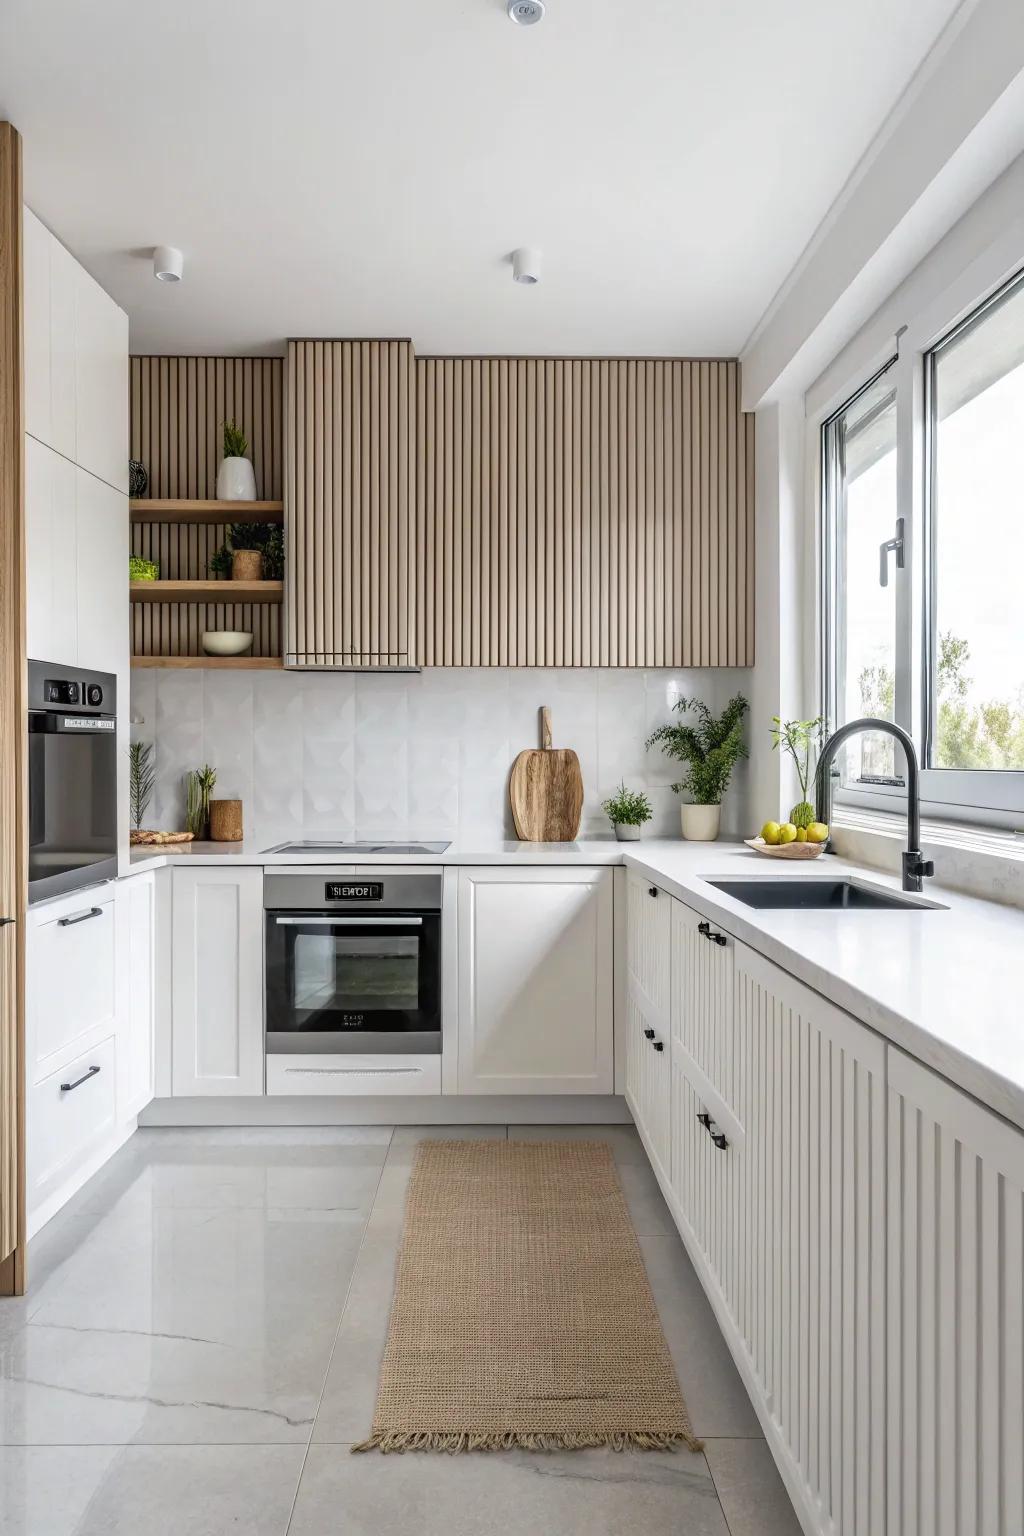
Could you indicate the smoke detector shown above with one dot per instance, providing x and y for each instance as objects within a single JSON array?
[{"x": 525, "y": 12}]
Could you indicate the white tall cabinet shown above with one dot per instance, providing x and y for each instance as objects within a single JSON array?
[
  {"x": 217, "y": 981},
  {"x": 535, "y": 980}
]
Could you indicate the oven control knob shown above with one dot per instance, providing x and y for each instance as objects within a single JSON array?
[{"x": 94, "y": 695}]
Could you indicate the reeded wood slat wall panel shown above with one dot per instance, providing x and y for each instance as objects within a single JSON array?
[
  {"x": 178, "y": 409},
  {"x": 582, "y": 512},
  {"x": 348, "y": 503},
  {"x": 13, "y": 705}
]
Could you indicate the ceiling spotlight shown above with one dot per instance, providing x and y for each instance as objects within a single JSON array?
[
  {"x": 526, "y": 265},
  {"x": 525, "y": 12},
  {"x": 167, "y": 264}
]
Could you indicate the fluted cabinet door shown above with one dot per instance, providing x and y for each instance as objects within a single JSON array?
[
  {"x": 349, "y": 473},
  {"x": 955, "y": 1311}
]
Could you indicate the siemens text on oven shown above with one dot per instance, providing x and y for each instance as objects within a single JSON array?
[{"x": 372, "y": 890}]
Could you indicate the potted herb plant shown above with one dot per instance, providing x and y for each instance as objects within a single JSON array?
[
  {"x": 627, "y": 810},
  {"x": 710, "y": 748},
  {"x": 199, "y": 784},
  {"x": 236, "y": 480},
  {"x": 142, "y": 570}
]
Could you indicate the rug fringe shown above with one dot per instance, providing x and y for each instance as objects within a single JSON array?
[{"x": 399, "y": 1441}]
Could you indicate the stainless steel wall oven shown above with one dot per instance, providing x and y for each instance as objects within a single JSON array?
[
  {"x": 72, "y": 778},
  {"x": 353, "y": 962}
]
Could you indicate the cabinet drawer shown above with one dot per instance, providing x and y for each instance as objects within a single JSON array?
[
  {"x": 72, "y": 978},
  {"x": 353, "y": 1075},
  {"x": 69, "y": 1112}
]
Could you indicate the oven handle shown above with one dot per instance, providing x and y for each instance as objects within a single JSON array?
[{"x": 342, "y": 920}]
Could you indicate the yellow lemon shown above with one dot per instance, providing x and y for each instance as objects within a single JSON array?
[
  {"x": 817, "y": 832},
  {"x": 787, "y": 832},
  {"x": 801, "y": 834},
  {"x": 770, "y": 832}
]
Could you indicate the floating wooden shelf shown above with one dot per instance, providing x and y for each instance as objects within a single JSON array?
[
  {"x": 206, "y": 591},
  {"x": 251, "y": 663},
  {"x": 174, "y": 511}
]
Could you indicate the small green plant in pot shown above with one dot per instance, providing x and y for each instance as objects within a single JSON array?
[
  {"x": 802, "y": 740},
  {"x": 142, "y": 570},
  {"x": 199, "y": 784},
  {"x": 627, "y": 810},
  {"x": 710, "y": 748},
  {"x": 236, "y": 479}
]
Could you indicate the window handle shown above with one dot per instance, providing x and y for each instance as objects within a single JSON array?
[{"x": 894, "y": 544}]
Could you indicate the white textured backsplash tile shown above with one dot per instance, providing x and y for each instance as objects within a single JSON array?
[{"x": 425, "y": 754}]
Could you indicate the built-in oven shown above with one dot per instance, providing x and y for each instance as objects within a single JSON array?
[
  {"x": 353, "y": 962},
  {"x": 72, "y": 778}
]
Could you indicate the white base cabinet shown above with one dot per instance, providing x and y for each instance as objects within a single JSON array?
[
  {"x": 217, "y": 981},
  {"x": 535, "y": 997},
  {"x": 857, "y": 1223}
]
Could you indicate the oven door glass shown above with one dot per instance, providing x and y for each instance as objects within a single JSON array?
[
  {"x": 72, "y": 791},
  {"x": 360, "y": 984}
]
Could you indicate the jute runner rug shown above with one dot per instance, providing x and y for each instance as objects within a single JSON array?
[{"x": 522, "y": 1314}]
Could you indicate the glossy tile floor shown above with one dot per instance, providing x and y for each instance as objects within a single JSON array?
[{"x": 199, "y": 1350}]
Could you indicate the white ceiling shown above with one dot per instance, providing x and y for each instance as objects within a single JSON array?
[{"x": 334, "y": 168}]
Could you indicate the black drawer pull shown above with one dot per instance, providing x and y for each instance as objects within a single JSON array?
[
  {"x": 68, "y": 1087},
  {"x": 649, "y": 1034},
  {"x": 707, "y": 932},
  {"x": 5, "y": 920},
  {"x": 79, "y": 917},
  {"x": 719, "y": 1139},
  {"x": 652, "y": 890},
  {"x": 659, "y": 1045},
  {"x": 704, "y": 1118}
]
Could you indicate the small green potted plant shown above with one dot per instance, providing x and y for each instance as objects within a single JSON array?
[
  {"x": 142, "y": 570},
  {"x": 199, "y": 784},
  {"x": 236, "y": 479},
  {"x": 627, "y": 810},
  {"x": 710, "y": 748}
]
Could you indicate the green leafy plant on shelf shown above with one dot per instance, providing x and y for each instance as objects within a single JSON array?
[
  {"x": 802, "y": 740},
  {"x": 627, "y": 807},
  {"x": 199, "y": 784},
  {"x": 711, "y": 748},
  {"x": 236, "y": 444},
  {"x": 142, "y": 570},
  {"x": 219, "y": 563},
  {"x": 141, "y": 780},
  {"x": 268, "y": 538}
]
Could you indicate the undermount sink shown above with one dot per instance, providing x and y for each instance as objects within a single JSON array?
[{"x": 820, "y": 895}]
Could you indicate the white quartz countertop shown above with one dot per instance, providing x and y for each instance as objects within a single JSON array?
[{"x": 945, "y": 985}]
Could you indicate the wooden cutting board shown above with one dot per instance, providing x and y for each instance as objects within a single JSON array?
[{"x": 546, "y": 791}]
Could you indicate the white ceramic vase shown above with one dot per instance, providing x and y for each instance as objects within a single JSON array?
[
  {"x": 626, "y": 833},
  {"x": 236, "y": 481},
  {"x": 700, "y": 822}
]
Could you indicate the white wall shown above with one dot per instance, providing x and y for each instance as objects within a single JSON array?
[{"x": 425, "y": 754}]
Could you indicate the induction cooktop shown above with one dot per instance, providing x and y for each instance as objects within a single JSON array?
[{"x": 354, "y": 850}]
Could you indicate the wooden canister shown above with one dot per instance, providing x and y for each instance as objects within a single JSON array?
[
  {"x": 247, "y": 565},
  {"x": 225, "y": 821}
]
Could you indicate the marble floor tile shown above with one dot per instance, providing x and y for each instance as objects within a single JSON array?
[
  {"x": 752, "y": 1494},
  {"x": 714, "y": 1391},
  {"x": 105, "y": 1490},
  {"x": 512, "y": 1493}
]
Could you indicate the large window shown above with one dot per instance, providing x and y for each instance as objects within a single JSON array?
[
  {"x": 976, "y": 502},
  {"x": 859, "y": 448},
  {"x": 923, "y": 558}
]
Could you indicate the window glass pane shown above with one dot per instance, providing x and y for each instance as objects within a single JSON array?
[
  {"x": 860, "y": 457},
  {"x": 978, "y": 543}
]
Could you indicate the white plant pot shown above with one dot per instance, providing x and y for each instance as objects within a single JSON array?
[
  {"x": 236, "y": 481},
  {"x": 626, "y": 833},
  {"x": 700, "y": 822}
]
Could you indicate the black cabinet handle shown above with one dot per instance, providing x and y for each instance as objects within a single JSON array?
[
  {"x": 79, "y": 917},
  {"x": 704, "y": 1118},
  {"x": 5, "y": 920},
  {"x": 652, "y": 890},
  {"x": 659, "y": 1045},
  {"x": 649, "y": 1033},
  {"x": 707, "y": 932},
  {"x": 719, "y": 1139},
  {"x": 69, "y": 1087}
]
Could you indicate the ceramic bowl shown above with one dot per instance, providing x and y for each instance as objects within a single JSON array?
[{"x": 226, "y": 642}]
